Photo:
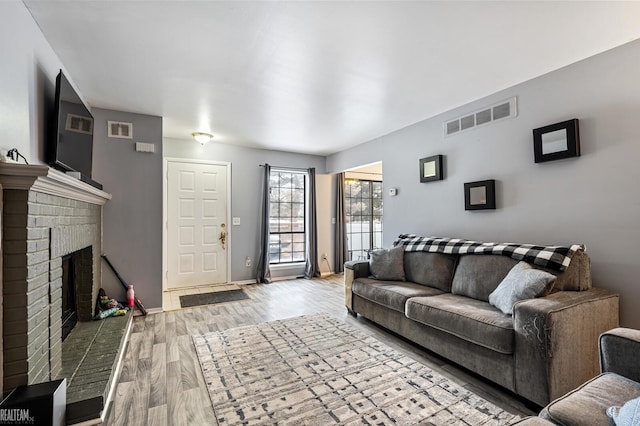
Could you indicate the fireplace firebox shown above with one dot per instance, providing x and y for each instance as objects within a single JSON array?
[
  {"x": 69, "y": 304},
  {"x": 77, "y": 279}
]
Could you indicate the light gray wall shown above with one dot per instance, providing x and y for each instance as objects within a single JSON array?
[
  {"x": 28, "y": 71},
  {"x": 593, "y": 199},
  {"x": 132, "y": 219},
  {"x": 246, "y": 196}
]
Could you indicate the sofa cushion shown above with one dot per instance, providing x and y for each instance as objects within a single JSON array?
[
  {"x": 391, "y": 294},
  {"x": 432, "y": 269},
  {"x": 587, "y": 404},
  {"x": 387, "y": 264},
  {"x": 469, "y": 319},
  {"x": 521, "y": 283},
  {"x": 477, "y": 275}
]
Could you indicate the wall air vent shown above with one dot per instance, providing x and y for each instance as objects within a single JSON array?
[
  {"x": 499, "y": 111},
  {"x": 118, "y": 129}
]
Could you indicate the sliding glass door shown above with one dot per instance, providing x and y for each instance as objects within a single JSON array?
[{"x": 363, "y": 216}]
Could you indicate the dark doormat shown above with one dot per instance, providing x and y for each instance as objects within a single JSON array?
[{"x": 190, "y": 300}]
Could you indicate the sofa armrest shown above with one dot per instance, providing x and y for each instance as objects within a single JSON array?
[
  {"x": 557, "y": 341},
  {"x": 352, "y": 270},
  {"x": 360, "y": 268},
  {"x": 619, "y": 350}
]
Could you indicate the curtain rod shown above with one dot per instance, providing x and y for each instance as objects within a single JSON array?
[{"x": 286, "y": 168}]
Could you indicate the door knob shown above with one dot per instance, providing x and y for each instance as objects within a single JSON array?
[{"x": 223, "y": 238}]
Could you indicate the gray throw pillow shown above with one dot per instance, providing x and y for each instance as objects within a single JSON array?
[
  {"x": 627, "y": 415},
  {"x": 522, "y": 282},
  {"x": 387, "y": 265}
]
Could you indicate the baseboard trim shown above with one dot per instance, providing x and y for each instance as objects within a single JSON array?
[
  {"x": 273, "y": 279},
  {"x": 287, "y": 278}
]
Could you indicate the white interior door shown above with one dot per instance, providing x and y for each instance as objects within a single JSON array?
[{"x": 196, "y": 224}]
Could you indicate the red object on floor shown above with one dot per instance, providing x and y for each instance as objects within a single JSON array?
[{"x": 131, "y": 295}]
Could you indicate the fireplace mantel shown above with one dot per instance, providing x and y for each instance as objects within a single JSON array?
[{"x": 41, "y": 178}]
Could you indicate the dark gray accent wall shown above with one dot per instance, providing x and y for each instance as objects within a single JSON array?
[
  {"x": 246, "y": 196},
  {"x": 132, "y": 220},
  {"x": 592, "y": 199}
]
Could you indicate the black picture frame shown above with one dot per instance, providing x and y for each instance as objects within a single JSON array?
[
  {"x": 556, "y": 141},
  {"x": 431, "y": 168},
  {"x": 480, "y": 195}
]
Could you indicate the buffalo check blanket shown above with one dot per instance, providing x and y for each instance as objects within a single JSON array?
[{"x": 553, "y": 257}]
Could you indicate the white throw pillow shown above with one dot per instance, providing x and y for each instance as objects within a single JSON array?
[
  {"x": 522, "y": 282},
  {"x": 627, "y": 415}
]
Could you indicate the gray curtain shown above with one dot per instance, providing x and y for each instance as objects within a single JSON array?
[
  {"x": 341, "y": 249},
  {"x": 311, "y": 269},
  {"x": 263, "y": 272}
]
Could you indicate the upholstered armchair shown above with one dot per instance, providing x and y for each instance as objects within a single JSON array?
[{"x": 618, "y": 383}]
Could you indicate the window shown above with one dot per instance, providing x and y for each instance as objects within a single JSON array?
[
  {"x": 363, "y": 216},
  {"x": 287, "y": 217}
]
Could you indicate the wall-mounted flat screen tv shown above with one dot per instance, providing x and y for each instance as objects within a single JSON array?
[{"x": 72, "y": 142}]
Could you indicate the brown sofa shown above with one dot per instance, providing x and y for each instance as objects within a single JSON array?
[{"x": 546, "y": 348}]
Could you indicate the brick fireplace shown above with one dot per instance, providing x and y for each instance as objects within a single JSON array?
[{"x": 46, "y": 216}]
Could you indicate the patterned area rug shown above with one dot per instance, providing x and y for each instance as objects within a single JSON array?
[{"x": 317, "y": 370}]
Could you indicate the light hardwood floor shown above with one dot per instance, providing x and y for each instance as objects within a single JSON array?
[{"x": 161, "y": 382}]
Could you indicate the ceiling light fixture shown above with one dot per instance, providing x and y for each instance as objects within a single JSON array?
[{"x": 202, "y": 138}]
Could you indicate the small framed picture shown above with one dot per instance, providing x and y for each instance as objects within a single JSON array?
[
  {"x": 557, "y": 141},
  {"x": 480, "y": 195},
  {"x": 431, "y": 168}
]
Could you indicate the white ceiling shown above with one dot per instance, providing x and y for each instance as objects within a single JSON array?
[{"x": 315, "y": 77}]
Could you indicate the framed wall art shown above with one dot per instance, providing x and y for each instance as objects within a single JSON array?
[
  {"x": 431, "y": 169},
  {"x": 557, "y": 141},
  {"x": 480, "y": 195}
]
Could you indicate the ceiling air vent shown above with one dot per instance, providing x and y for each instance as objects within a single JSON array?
[
  {"x": 499, "y": 111},
  {"x": 118, "y": 129},
  {"x": 79, "y": 124}
]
